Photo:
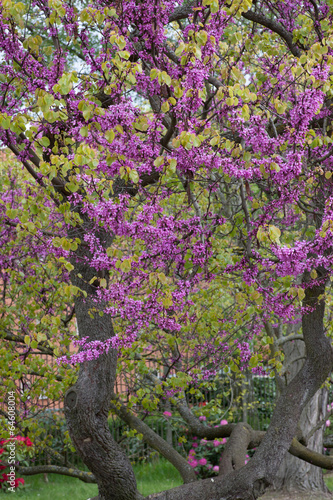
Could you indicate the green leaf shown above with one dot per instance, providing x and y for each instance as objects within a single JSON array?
[
  {"x": 134, "y": 176},
  {"x": 109, "y": 136},
  {"x": 84, "y": 131},
  {"x": 125, "y": 266},
  {"x": 165, "y": 107},
  {"x": 274, "y": 233},
  {"x": 172, "y": 165},
  {"x": 153, "y": 73},
  {"x": 159, "y": 160},
  {"x": 45, "y": 141}
]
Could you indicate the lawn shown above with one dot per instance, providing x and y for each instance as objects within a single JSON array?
[{"x": 151, "y": 478}]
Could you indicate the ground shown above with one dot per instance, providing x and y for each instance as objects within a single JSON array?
[{"x": 296, "y": 496}]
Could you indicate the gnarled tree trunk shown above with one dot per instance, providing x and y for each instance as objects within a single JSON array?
[{"x": 87, "y": 403}]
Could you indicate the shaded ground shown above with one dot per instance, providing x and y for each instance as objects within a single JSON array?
[
  {"x": 295, "y": 496},
  {"x": 300, "y": 495}
]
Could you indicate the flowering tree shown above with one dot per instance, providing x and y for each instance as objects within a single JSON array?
[{"x": 177, "y": 150}]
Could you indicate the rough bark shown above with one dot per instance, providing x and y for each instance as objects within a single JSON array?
[
  {"x": 295, "y": 474},
  {"x": 234, "y": 455},
  {"x": 87, "y": 403}
]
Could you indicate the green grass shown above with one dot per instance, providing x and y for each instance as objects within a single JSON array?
[
  {"x": 57, "y": 488},
  {"x": 156, "y": 476},
  {"x": 151, "y": 478},
  {"x": 329, "y": 482}
]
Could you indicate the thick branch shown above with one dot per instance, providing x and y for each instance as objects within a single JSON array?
[
  {"x": 182, "y": 12},
  {"x": 234, "y": 455},
  {"x": 312, "y": 457}
]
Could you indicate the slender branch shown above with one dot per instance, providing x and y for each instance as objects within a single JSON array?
[
  {"x": 20, "y": 339},
  {"x": 86, "y": 477}
]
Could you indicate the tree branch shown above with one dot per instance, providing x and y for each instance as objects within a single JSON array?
[
  {"x": 86, "y": 477},
  {"x": 256, "y": 17},
  {"x": 156, "y": 442}
]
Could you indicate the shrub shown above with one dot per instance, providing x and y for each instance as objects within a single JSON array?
[{"x": 10, "y": 458}]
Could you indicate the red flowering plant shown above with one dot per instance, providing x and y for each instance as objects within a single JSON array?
[{"x": 10, "y": 457}]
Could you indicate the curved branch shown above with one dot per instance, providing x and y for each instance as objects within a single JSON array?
[
  {"x": 234, "y": 455},
  {"x": 86, "y": 477},
  {"x": 256, "y": 17}
]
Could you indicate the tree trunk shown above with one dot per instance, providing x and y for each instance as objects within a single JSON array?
[
  {"x": 295, "y": 474},
  {"x": 87, "y": 403}
]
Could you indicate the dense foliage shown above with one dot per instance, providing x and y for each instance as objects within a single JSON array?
[{"x": 173, "y": 180}]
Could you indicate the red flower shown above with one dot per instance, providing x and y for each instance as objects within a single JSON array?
[
  {"x": 19, "y": 480},
  {"x": 19, "y": 438},
  {"x": 28, "y": 441}
]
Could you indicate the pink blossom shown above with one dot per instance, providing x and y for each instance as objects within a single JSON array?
[
  {"x": 223, "y": 422},
  {"x": 194, "y": 463},
  {"x": 202, "y": 418},
  {"x": 167, "y": 414},
  {"x": 202, "y": 461},
  {"x": 328, "y": 423},
  {"x": 216, "y": 443},
  {"x": 216, "y": 468}
]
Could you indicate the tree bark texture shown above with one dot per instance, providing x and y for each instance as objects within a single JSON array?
[
  {"x": 87, "y": 403},
  {"x": 295, "y": 474}
]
